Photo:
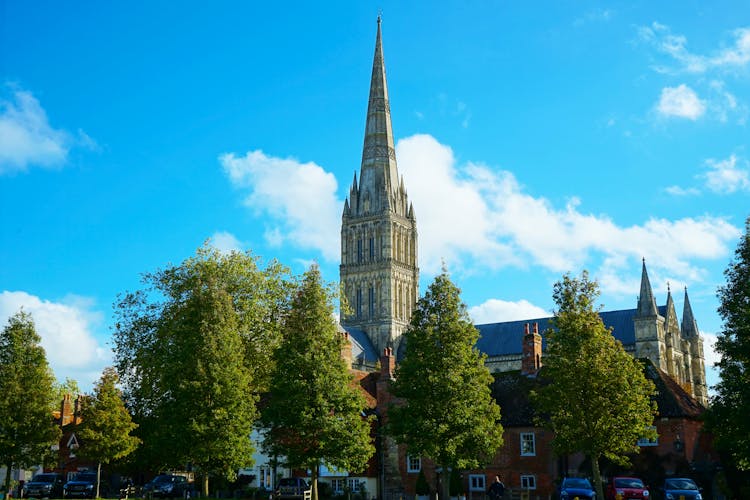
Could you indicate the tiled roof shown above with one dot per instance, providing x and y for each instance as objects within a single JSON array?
[{"x": 511, "y": 391}]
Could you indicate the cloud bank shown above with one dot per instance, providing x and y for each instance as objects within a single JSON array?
[
  {"x": 479, "y": 218},
  {"x": 66, "y": 329}
]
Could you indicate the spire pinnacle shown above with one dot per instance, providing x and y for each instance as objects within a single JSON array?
[
  {"x": 646, "y": 301},
  {"x": 689, "y": 325},
  {"x": 379, "y": 172}
]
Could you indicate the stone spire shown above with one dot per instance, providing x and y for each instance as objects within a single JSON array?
[
  {"x": 378, "y": 171},
  {"x": 646, "y": 301},
  {"x": 379, "y": 271},
  {"x": 689, "y": 325}
]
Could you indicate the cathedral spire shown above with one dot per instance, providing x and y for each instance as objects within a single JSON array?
[
  {"x": 646, "y": 301},
  {"x": 689, "y": 325},
  {"x": 379, "y": 173}
]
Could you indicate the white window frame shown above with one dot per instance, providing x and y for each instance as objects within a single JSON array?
[
  {"x": 413, "y": 464},
  {"x": 529, "y": 480},
  {"x": 338, "y": 484},
  {"x": 643, "y": 442},
  {"x": 265, "y": 479},
  {"x": 477, "y": 482},
  {"x": 529, "y": 439},
  {"x": 354, "y": 484}
]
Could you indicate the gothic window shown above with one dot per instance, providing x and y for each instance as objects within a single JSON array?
[
  {"x": 359, "y": 250},
  {"x": 371, "y": 301},
  {"x": 359, "y": 302},
  {"x": 372, "y": 249}
]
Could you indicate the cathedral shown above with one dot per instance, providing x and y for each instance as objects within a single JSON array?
[{"x": 380, "y": 276}]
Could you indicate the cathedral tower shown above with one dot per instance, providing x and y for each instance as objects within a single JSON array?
[{"x": 379, "y": 270}]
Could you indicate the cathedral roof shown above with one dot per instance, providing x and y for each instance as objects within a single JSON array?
[
  {"x": 362, "y": 349},
  {"x": 502, "y": 339}
]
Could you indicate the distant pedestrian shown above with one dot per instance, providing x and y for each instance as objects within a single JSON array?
[{"x": 497, "y": 489}]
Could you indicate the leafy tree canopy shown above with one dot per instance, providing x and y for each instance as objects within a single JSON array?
[
  {"x": 445, "y": 410},
  {"x": 598, "y": 398},
  {"x": 27, "y": 429},
  {"x": 314, "y": 410},
  {"x": 193, "y": 350},
  {"x": 731, "y": 405}
]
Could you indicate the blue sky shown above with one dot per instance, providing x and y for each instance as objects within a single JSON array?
[{"x": 533, "y": 141}]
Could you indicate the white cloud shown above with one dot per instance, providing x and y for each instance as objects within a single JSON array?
[
  {"x": 477, "y": 218},
  {"x": 726, "y": 176},
  {"x": 226, "y": 242},
  {"x": 66, "y": 332},
  {"x": 681, "y": 102},
  {"x": 26, "y": 137},
  {"x": 680, "y": 191},
  {"x": 736, "y": 55},
  {"x": 299, "y": 197},
  {"x": 495, "y": 310}
]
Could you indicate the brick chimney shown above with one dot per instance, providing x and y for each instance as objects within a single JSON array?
[
  {"x": 66, "y": 410},
  {"x": 346, "y": 349},
  {"x": 531, "y": 359},
  {"x": 387, "y": 364}
]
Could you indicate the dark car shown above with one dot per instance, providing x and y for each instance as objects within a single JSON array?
[
  {"x": 83, "y": 485},
  {"x": 681, "y": 488},
  {"x": 292, "y": 487},
  {"x": 626, "y": 488},
  {"x": 576, "y": 487},
  {"x": 44, "y": 485},
  {"x": 166, "y": 486}
]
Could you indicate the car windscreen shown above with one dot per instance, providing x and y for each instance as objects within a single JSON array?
[
  {"x": 680, "y": 484},
  {"x": 163, "y": 479},
  {"x": 88, "y": 476},
  {"x": 577, "y": 483},
  {"x": 45, "y": 478},
  {"x": 626, "y": 482}
]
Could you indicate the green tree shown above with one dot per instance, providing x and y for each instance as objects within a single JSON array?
[
  {"x": 314, "y": 411},
  {"x": 106, "y": 425},
  {"x": 598, "y": 398},
  {"x": 446, "y": 411},
  {"x": 193, "y": 350},
  {"x": 731, "y": 404},
  {"x": 27, "y": 429}
]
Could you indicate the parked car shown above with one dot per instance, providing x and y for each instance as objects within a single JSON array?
[
  {"x": 681, "y": 488},
  {"x": 292, "y": 487},
  {"x": 576, "y": 487},
  {"x": 166, "y": 486},
  {"x": 83, "y": 485},
  {"x": 626, "y": 488},
  {"x": 44, "y": 485}
]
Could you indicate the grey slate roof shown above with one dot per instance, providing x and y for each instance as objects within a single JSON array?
[
  {"x": 502, "y": 339},
  {"x": 362, "y": 348}
]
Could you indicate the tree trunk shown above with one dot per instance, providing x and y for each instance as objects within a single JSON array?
[
  {"x": 204, "y": 486},
  {"x": 98, "y": 477},
  {"x": 597, "y": 476},
  {"x": 315, "y": 483},
  {"x": 8, "y": 468}
]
